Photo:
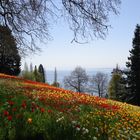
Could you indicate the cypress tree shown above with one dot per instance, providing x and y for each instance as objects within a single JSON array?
[
  {"x": 55, "y": 83},
  {"x": 133, "y": 72},
  {"x": 55, "y": 76},
  {"x": 42, "y": 72}
]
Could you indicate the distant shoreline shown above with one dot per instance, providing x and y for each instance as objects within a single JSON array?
[{"x": 62, "y": 73}]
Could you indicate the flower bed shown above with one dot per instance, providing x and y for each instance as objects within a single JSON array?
[{"x": 32, "y": 110}]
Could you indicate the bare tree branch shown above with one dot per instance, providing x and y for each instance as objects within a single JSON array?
[
  {"x": 77, "y": 81},
  {"x": 90, "y": 17},
  {"x": 30, "y": 20},
  {"x": 100, "y": 80}
]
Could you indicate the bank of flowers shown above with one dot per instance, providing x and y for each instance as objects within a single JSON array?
[{"x": 38, "y": 111}]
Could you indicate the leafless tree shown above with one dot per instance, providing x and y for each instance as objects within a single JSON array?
[
  {"x": 29, "y": 20},
  {"x": 77, "y": 80},
  {"x": 90, "y": 17},
  {"x": 100, "y": 82}
]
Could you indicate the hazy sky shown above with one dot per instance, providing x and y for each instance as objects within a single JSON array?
[{"x": 63, "y": 54}]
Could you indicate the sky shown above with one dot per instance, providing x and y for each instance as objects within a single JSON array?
[{"x": 98, "y": 53}]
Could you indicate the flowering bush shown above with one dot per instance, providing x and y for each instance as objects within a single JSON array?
[{"x": 32, "y": 110}]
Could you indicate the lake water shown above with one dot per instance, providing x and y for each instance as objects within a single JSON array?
[{"x": 62, "y": 73}]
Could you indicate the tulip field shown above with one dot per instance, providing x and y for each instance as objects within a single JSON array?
[{"x": 36, "y": 111}]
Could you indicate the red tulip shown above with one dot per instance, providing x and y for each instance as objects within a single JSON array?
[
  {"x": 6, "y": 113},
  {"x": 9, "y": 118},
  {"x": 42, "y": 110}
]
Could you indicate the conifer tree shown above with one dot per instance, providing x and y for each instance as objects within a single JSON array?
[
  {"x": 55, "y": 75},
  {"x": 42, "y": 72},
  {"x": 31, "y": 67},
  {"x": 55, "y": 83},
  {"x": 9, "y": 55},
  {"x": 37, "y": 75},
  {"x": 116, "y": 89},
  {"x": 114, "y": 85},
  {"x": 133, "y": 72},
  {"x": 28, "y": 73}
]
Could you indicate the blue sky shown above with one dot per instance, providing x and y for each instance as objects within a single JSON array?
[{"x": 64, "y": 55}]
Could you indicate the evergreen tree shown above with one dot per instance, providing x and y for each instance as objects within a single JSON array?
[
  {"x": 133, "y": 73},
  {"x": 55, "y": 83},
  {"x": 55, "y": 76},
  {"x": 31, "y": 67},
  {"x": 113, "y": 88},
  {"x": 116, "y": 89},
  {"x": 37, "y": 75},
  {"x": 9, "y": 55},
  {"x": 121, "y": 95},
  {"x": 28, "y": 74},
  {"x": 114, "y": 85},
  {"x": 42, "y": 72}
]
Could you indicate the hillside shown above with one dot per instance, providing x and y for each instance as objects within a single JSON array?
[{"x": 37, "y": 111}]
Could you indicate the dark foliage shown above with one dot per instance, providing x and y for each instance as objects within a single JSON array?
[
  {"x": 42, "y": 72},
  {"x": 117, "y": 85},
  {"x": 133, "y": 73},
  {"x": 9, "y": 56}
]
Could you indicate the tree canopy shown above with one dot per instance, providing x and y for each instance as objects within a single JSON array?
[
  {"x": 42, "y": 72},
  {"x": 9, "y": 55},
  {"x": 116, "y": 88},
  {"x": 30, "y": 20},
  {"x": 133, "y": 72}
]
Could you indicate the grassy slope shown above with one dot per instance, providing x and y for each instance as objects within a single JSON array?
[{"x": 31, "y": 110}]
